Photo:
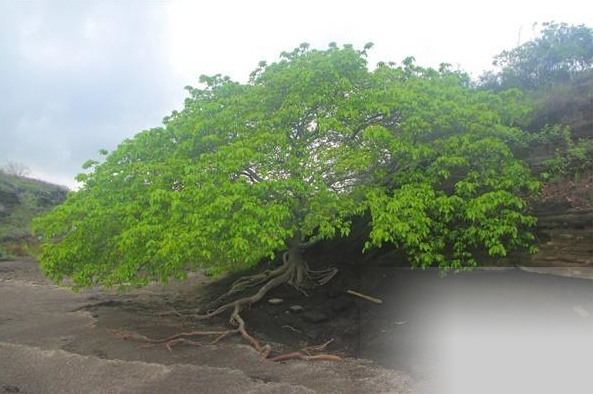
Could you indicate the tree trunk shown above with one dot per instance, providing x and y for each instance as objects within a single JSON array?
[{"x": 296, "y": 265}]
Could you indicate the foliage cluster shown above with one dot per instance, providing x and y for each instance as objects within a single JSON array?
[
  {"x": 567, "y": 157},
  {"x": 248, "y": 170},
  {"x": 574, "y": 160}
]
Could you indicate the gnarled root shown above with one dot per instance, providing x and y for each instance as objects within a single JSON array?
[
  {"x": 301, "y": 356},
  {"x": 169, "y": 342},
  {"x": 293, "y": 271},
  {"x": 264, "y": 351}
]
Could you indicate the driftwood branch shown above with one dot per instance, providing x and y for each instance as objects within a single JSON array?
[{"x": 366, "y": 297}]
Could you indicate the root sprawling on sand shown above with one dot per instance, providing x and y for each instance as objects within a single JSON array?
[{"x": 294, "y": 271}]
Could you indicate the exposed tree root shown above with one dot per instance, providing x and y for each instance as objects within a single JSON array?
[
  {"x": 248, "y": 282},
  {"x": 177, "y": 341},
  {"x": 294, "y": 271},
  {"x": 141, "y": 338},
  {"x": 317, "y": 348},
  {"x": 301, "y": 356}
]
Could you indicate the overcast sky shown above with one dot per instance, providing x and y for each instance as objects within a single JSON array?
[{"x": 76, "y": 77}]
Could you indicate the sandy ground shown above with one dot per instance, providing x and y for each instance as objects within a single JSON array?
[
  {"x": 512, "y": 330},
  {"x": 55, "y": 341}
]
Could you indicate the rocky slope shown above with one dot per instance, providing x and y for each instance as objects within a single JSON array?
[{"x": 564, "y": 229}]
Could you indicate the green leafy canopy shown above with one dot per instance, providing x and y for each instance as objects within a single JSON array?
[{"x": 247, "y": 170}]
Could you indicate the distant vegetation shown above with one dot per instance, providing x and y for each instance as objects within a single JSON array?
[
  {"x": 15, "y": 168},
  {"x": 21, "y": 199},
  {"x": 555, "y": 74},
  {"x": 561, "y": 53}
]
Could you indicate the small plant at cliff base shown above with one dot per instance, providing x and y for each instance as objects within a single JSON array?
[
  {"x": 571, "y": 159},
  {"x": 248, "y": 171}
]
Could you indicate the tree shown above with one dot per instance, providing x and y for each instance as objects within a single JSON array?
[
  {"x": 559, "y": 53},
  {"x": 249, "y": 171},
  {"x": 15, "y": 169}
]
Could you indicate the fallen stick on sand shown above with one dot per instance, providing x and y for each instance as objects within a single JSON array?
[{"x": 366, "y": 297}]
